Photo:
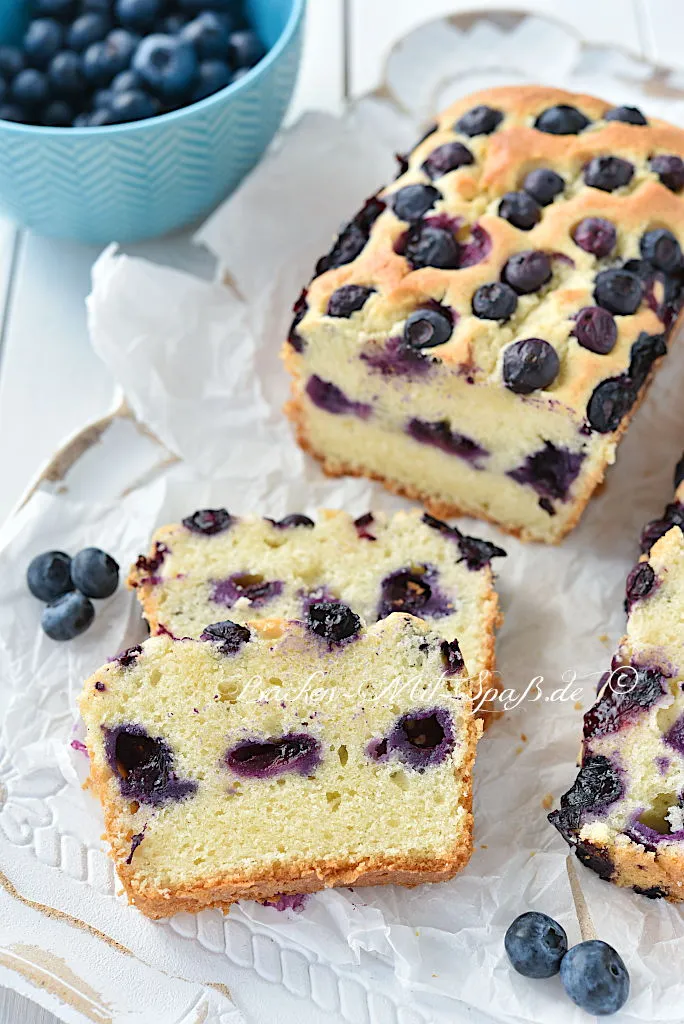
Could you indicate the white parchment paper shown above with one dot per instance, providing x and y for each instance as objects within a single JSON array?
[{"x": 199, "y": 365}]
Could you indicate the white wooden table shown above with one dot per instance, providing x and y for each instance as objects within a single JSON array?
[{"x": 51, "y": 383}]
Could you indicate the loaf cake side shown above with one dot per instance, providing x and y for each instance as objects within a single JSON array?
[
  {"x": 282, "y": 758},
  {"x": 482, "y": 331}
]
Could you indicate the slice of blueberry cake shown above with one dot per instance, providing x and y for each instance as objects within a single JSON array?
[
  {"x": 625, "y": 812},
  {"x": 214, "y": 565},
  {"x": 283, "y": 757},
  {"x": 481, "y": 332}
]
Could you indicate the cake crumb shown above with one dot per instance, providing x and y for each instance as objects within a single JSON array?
[
  {"x": 604, "y": 638},
  {"x": 523, "y": 737},
  {"x": 518, "y": 750},
  {"x": 578, "y": 705},
  {"x": 484, "y": 846},
  {"x": 547, "y": 802}
]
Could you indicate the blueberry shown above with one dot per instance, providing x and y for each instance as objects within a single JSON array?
[
  {"x": 11, "y": 112},
  {"x": 404, "y": 591},
  {"x": 195, "y": 6},
  {"x": 212, "y": 75},
  {"x": 294, "y": 752},
  {"x": 62, "y": 10},
  {"x": 520, "y": 210},
  {"x": 11, "y": 62},
  {"x": 143, "y": 766},
  {"x": 133, "y": 105},
  {"x": 447, "y": 157},
  {"x": 230, "y": 636},
  {"x": 595, "y": 977},
  {"x": 608, "y": 173},
  {"x": 628, "y": 115},
  {"x": 495, "y": 301},
  {"x": 58, "y": 114},
  {"x": 88, "y": 29},
  {"x": 333, "y": 621},
  {"x": 543, "y": 185},
  {"x": 439, "y": 434},
  {"x": 550, "y": 471},
  {"x": 561, "y": 120},
  {"x": 535, "y": 945},
  {"x": 413, "y": 201},
  {"x": 640, "y": 582},
  {"x": 95, "y": 573},
  {"x": 173, "y": 23},
  {"x": 99, "y": 6},
  {"x": 291, "y": 521},
  {"x": 332, "y": 399},
  {"x": 353, "y": 236},
  {"x": 661, "y": 248},
  {"x": 527, "y": 271},
  {"x": 670, "y": 170},
  {"x": 595, "y": 235},
  {"x": 428, "y": 246},
  {"x": 529, "y": 365},
  {"x": 44, "y": 37},
  {"x": 208, "y": 521},
  {"x": 30, "y": 88},
  {"x": 618, "y": 291},
  {"x": 68, "y": 616},
  {"x": 125, "y": 81},
  {"x": 595, "y": 330},
  {"x": 597, "y": 785},
  {"x": 65, "y": 75},
  {"x": 246, "y": 48},
  {"x": 103, "y": 60},
  {"x": 3, "y": 89},
  {"x": 452, "y": 658},
  {"x": 140, "y": 15},
  {"x": 643, "y": 354},
  {"x": 49, "y": 575},
  {"x": 422, "y": 738},
  {"x": 348, "y": 299},
  {"x": 679, "y": 473},
  {"x": 611, "y": 400},
  {"x": 208, "y": 35},
  {"x": 168, "y": 65},
  {"x": 479, "y": 121},
  {"x": 426, "y": 328}
]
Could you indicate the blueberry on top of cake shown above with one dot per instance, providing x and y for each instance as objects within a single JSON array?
[
  {"x": 283, "y": 757},
  {"x": 482, "y": 330}
]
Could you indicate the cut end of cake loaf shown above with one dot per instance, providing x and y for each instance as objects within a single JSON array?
[
  {"x": 483, "y": 329},
  {"x": 624, "y": 815},
  {"x": 282, "y": 757},
  {"x": 215, "y": 565}
]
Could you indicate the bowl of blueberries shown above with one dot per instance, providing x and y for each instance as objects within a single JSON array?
[{"x": 127, "y": 119}]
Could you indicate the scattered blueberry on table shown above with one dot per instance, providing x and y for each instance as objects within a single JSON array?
[
  {"x": 536, "y": 944},
  {"x": 87, "y": 63},
  {"x": 68, "y": 584}
]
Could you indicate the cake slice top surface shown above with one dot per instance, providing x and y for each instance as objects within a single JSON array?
[{"x": 526, "y": 213}]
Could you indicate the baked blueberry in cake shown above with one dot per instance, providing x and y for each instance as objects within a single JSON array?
[
  {"x": 283, "y": 757},
  {"x": 481, "y": 332},
  {"x": 624, "y": 815},
  {"x": 254, "y": 568}
]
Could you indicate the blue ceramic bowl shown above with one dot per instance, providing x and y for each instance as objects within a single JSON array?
[{"x": 133, "y": 181}]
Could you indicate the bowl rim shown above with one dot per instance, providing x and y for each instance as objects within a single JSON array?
[{"x": 297, "y": 9}]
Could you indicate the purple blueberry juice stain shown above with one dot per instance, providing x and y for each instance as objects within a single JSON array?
[
  {"x": 135, "y": 843},
  {"x": 376, "y": 749},
  {"x": 662, "y": 764},
  {"x": 295, "y": 901},
  {"x": 674, "y": 737},
  {"x": 477, "y": 248},
  {"x": 551, "y": 471},
  {"x": 476, "y": 553},
  {"x": 332, "y": 399},
  {"x": 253, "y": 588},
  {"x": 363, "y": 526},
  {"x": 629, "y": 693},
  {"x": 440, "y": 435},
  {"x": 414, "y": 590},
  {"x": 299, "y": 309},
  {"x": 321, "y": 595},
  {"x": 143, "y": 766},
  {"x": 266, "y": 759},
  {"x": 649, "y": 838},
  {"x": 150, "y": 565},
  {"x": 126, "y": 658},
  {"x": 423, "y": 738},
  {"x": 100, "y": 687},
  {"x": 397, "y": 359},
  {"x": 80, "y": 746}
]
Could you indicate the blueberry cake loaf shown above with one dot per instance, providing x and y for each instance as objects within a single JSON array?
[
  {"x": 624, "y": 815},
  {"x": 481, "y": 332},
  {"x": 213, "y": 565},
  {"x": 283, "y": 757}
]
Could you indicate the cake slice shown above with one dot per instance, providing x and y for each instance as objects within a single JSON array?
[
  {"x": 282, "y": 757},
  {"x": 625, "y": 812},
  {"x": 214, "y": 565},
  {"x": 482, "y": 330}
]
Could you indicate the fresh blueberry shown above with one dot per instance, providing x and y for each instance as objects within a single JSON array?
[
  {"x": 529, "y": 365},
  {"x": 527, "y": 271},
  {"x": 618, "y": 291},
  {"x": 428, "y": 246},
  {"x": 88, "y": 29},
  {"x": 535, "y": 945},
  {"x": 11, "y": 62},
  {"x": 168, "y": 65},
  {"x": 4, "y": 89},
  {"x": 173, "y": 23},
  {"x": 348, "y": 299},
  {"x": 413, "y": 201},
  {"x": 595, "y": 330},
  {"x": 212, "y": 75},
  {"x": 495, "y": 301},
  {"x": 333, "y": 621},
  {"x": 661, "y": 248},
  {"x": 561, "y": 120},
  {"x": 447, "y": 157},
  {"x": 126, "y": 80},
  {"x": 133, "y": 105},
  {"x": 62, "y": 10},
  {"x": 208, "y": 521},
  {"x": 543, "y": 185},
  {"x": 65, "y": 75},
  {"x": 44, "y": 37},
  {"x": 30, "y": 88},
  {"x": 670, "y": 170},
  {"x": 610, "y": 401},
  {"x": 520, "y": 210},
  {"x": 68, "y": 616},
  {"x": 195, "y": 6},
  {"x": 595, "y": 235},
  {"x": 139, "y": 15},
  {"x": 246, "y": 48},
  {"x": 208, "y": 35},
  {"x": 595, "y": 977},
  {"x": 99, "y": 6},
  {"x": 49, "y": 575},
  {"x": 479, "y": 121},
  {"x": 426, "y": 328},
  {"x": 230, "y": 636},
  {"x": 628, "y": 115},
  {"x": 608, "y": 173},
  {"x": 95, "y": 573},
  {"x": 103, "y": 60},
  {"x": 58, "y": 114},
  {"x": 102, "y": 99},
  {"x": 11, "y": 112}
]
